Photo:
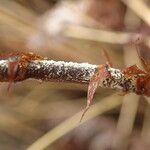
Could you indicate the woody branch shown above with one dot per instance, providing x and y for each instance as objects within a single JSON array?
[{"x": 60, "y": 71}]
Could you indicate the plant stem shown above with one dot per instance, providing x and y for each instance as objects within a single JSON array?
[{"x": 60, "y": 71}]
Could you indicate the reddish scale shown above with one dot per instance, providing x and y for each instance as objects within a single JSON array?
[
  {"x": 143, "y": 82},
  {"x": 143, "y": 85},
  {"x": 18, "y": 61},
  {"x": 140, "y": 78},
  {"x": 25, "y": 58}
]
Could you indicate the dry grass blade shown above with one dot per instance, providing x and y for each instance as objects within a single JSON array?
[
  {"x": 140, "y": 8},
  {"x": 85, "y": 33},
  {"x": 146, "y": 124},
  {"x": 126, "y": 121},
  {"x": 103, "y": 106}
]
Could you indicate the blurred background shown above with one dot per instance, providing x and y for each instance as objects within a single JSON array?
[{"x": 74, "y": 30}]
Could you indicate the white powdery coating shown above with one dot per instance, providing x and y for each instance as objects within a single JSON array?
[
  {"x": 82, "y": 72},
  {"x": 61, "y": 71},
  {"x": 3, "y": 63},
  {"x": 69, "y": 64},
  {"x": 78, "y": 68},
  {"x": 115, "y": 73},
  {"x": 116, "y": 81},
  {"x": 3, "y": 66}
]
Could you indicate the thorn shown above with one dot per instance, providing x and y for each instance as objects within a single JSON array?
[
  {"x": 105, "y": 54},
  {"x": 91, "y": 92},
  {"x": 84, "y": 111},
  {"x": 143, "y": 62},
  {"x": 95, "y": 81}
]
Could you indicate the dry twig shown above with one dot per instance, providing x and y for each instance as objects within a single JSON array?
[{"x": 21, "y": 66}]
